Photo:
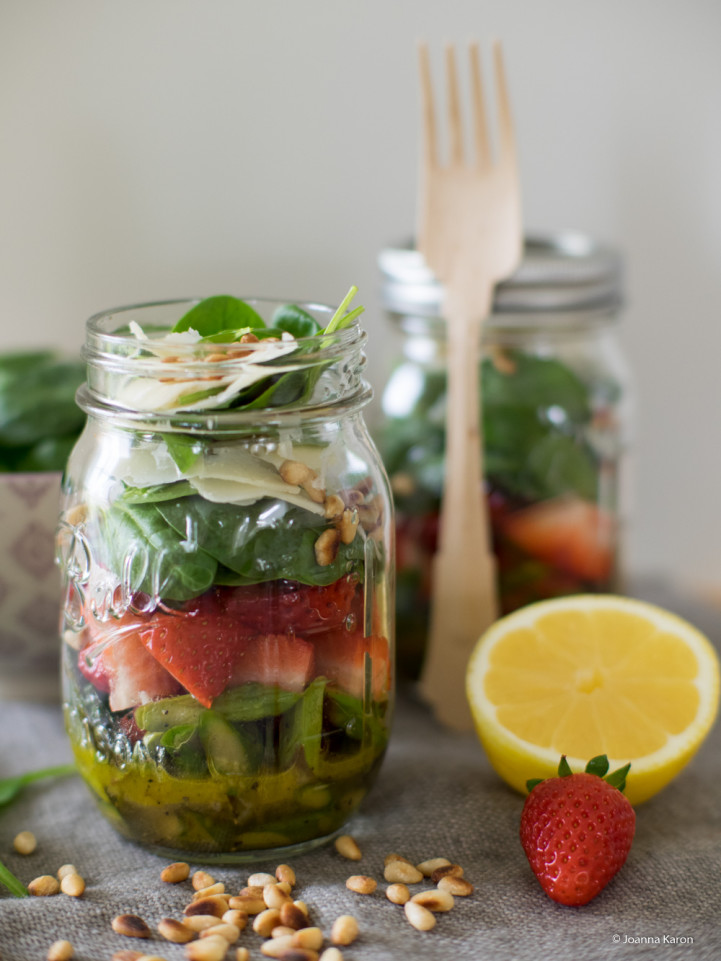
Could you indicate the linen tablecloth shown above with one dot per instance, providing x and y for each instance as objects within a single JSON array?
[{"x": 436, "y": 796}]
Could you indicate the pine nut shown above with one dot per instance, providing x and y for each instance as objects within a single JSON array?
[
  {"x": 44, "y": 886},
  {"x": 201, "y": 879},
  {"x": 199, "y": 922},
  {"x": 217, "y": 888},
  {"x": 150, "y": 957},
  {"x": 301, "y": 905},
  {"x": 344, "y": 930},
  {"x": 428, "y": 867},
  {"x": 247, "y": 903},
  {"x": 398, "y": 893},
  {"x": 348, "y": 525},
  {"x": 457, "y": 886},
  {"x": 25, "y": 843},
  {"x": 331, "y": 954},
  {"x": 285, "y": 873},
  {"x": 216, "y": 904},
  {"x": 176, "y": 872},
  {"x": 347, "y": 847},
  {"x": 230, "y": 932},
  {"x": 260, "y": 880},
  {"x": 72, "y": 885},
  {"x": 282, "y": 931},
  {"x": 334, "y": 506},
  {"x": 216, "y": 358},
  {"x": 175, "y": 931},
  {"x": 454, "y": 870},
  {"x": 420, "y": 917},
  {"x": 207, "y": 949},
  {"x": 285, "y": 886},
  {"x": 291, "y": 916},
  {"x": 131, "y": 926},
  {"x": 276, "y": 947},
  {"x": 266, "y": 921},
  {"x": 395, "y": 857},
  {"x": 66, "y": 869},
  {"x": 126, "y": 955},
  {"x": 361, "y": 884},
  {"x": 254, "y": 891},
  {"x": 311, "y": 938},
  {"x": 295, "y": 472},
  {"x": 402, "y": 872},
  {"x": 242, "y": 954},
  {"x": 274, "y": 896},
  {"x": 326, "y": 547},
  {"x": 60, "y": 951},
  {"x": 316, "y": 494},
  {"x": 435, "y": 900},
  {"x": 238, "y": 918}
]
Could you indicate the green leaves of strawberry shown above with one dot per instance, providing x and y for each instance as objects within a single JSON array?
[{"x": 597, "y": 765}]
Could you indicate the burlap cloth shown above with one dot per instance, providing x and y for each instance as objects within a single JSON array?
[{"x": 436, "y": 796}]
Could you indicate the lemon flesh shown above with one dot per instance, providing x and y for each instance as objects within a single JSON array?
[{"x": 588, "y": 675}]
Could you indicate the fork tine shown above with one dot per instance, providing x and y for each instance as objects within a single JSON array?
[
  {"x": 480, "y": 123},
  {"x": 430, "y": 148},
  {"x": 506, "y": 139},
  {"x": 455, "y": 123}
]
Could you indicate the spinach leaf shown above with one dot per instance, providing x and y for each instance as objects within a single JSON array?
[
  {"x": 303, "y": 727},
  {"x": 296, "y": 321},
  {"x": 260, "y": 542},
  {"x": 157, "y": 492},
  {"x": 155, "y": 558},
  {"x": 220, "y": 313},
  {"x": 184, "y": 449}
]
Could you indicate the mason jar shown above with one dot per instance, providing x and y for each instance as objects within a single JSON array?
[
  {"x": 556, "y": 409},
  {"x": 226, "y": 542}
]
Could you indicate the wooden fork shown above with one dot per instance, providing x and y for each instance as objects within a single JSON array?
[{"x": 470, "y": 236}]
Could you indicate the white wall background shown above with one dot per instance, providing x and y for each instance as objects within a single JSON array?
[{"x": 162, "y": 148}]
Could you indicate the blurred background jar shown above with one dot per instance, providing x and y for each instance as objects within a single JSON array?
[{"x": 556, "y": 408}]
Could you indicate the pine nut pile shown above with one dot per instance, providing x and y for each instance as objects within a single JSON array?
[{"x": 213, "y": 919}]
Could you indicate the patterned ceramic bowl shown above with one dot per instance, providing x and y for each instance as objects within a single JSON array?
[{"x": 29, "y": 587}]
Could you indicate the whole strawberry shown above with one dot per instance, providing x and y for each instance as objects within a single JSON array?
[{"x": 577, "y": 830}]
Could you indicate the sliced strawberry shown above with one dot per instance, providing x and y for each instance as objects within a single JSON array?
[
  {"x": 280, "y": 606},
  {"x": 341, "y": 655},
  {"x": 118, "y": 664},
  {"x": 568, "y": 533},
  {"x": 279, "y": 660}
]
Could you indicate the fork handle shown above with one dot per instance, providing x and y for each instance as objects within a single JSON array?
[{"x": 464, "y": 601}]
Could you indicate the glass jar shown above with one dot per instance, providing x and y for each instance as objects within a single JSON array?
[
  {"x": 555, "y": 415},
  {"x": 226, "y": 541}
]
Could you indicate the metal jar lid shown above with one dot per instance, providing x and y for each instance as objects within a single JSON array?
[{"x": 559, "y": 273}]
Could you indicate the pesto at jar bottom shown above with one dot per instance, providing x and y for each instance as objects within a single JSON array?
[{"x": 224, "y": 781}]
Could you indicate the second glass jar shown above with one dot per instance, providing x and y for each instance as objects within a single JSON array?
[{"x": 556, "y": 411}]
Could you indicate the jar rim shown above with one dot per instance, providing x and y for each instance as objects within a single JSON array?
[{"x": 560, "y": 273}]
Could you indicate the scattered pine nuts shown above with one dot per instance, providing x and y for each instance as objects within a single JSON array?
[
  {"x": 282, "y": 931},
  {"x": 217, "y": 888},
  {"x": 428, "y": 867},
  {"x": 175, "y": 931},
  {"x": 418, "y": 916},
  {"x": 131, "y": 926},
  {"x": 66, "y": 869},
  {"x": 274, "y": 896},
  {"x": 395, "y": 857},
  {"x": 60, "y": 951},
  {"x": 175, "y": 873},
  {"x": 348, "y": 848},
  {"x": 242, "y": 954},
  {"x": 260, "y": 880},
  {"x": 309, "y": 938},
  {"x": 238, "y": 918},
  {"x": 457, "y": 886},
  {"x": 247, "y": 903},
  {"x": 215, "y": 904},
  {"x": 326, "y": 547},
  {"x": 207, "y": 949},
  {"x": 25, "y": 843},
  {"x": 126, "y": 955},
  {"x": 150, "y": 957},
  {"x": 398, "y": 893},
  {"x": 285, "y": 873},
  {"x": 295, "y": 472},
  {"x": 266, "y": 921},
  {"x": 230, "y": 932},
  {"x": 73, "y": 885},
  {"x": 254, "y": 891},
  {"x": 331, "y": 954},
  {"x": 402, "y": 872},
  {"x": 292, "y": 916},
  {"x": 199, "y": 922},
  {"x": 276, "y": 947},
  {"x": 345, "y": 930},
  {"x": 361, "y": 884},
  {"x": 454, "y": 870},
  {"x": 201, "y": 879},
  {"x": 435, "y": 900},
  {"x": 44, "y": 886}
]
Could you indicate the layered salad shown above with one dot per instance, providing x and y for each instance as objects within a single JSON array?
[{"x": 227, "y": 661}]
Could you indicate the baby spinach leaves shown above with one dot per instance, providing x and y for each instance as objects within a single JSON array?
[{"x": 221, "y": 313}]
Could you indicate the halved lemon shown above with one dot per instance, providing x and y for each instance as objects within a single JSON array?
[{"x": 593, "y": 674}]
